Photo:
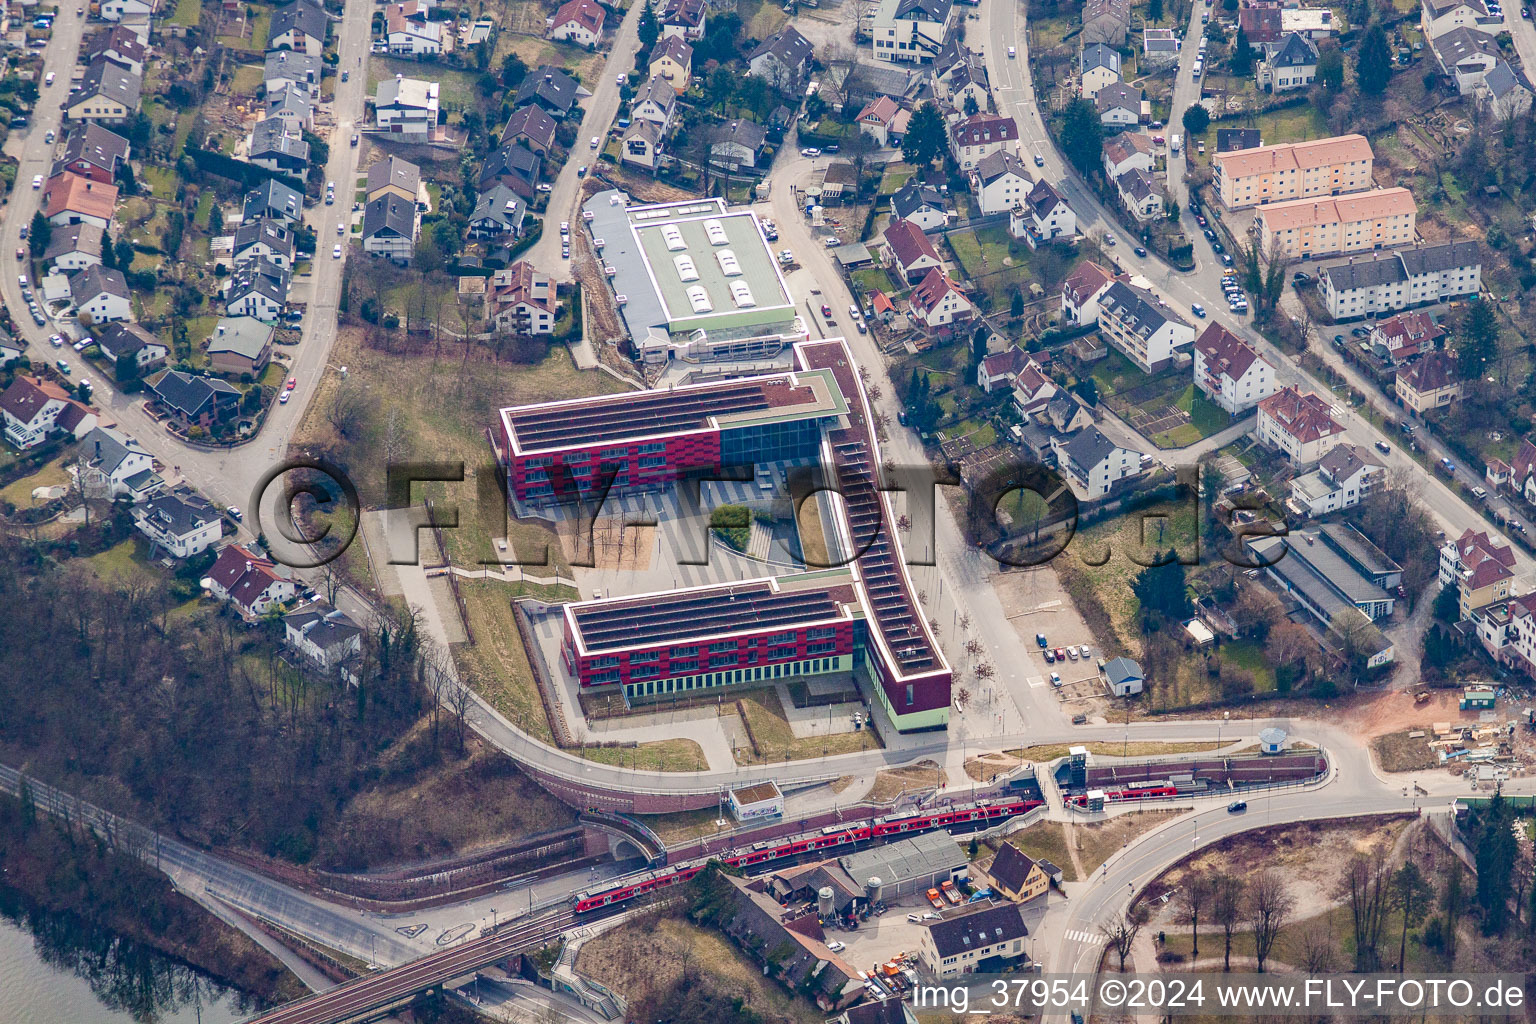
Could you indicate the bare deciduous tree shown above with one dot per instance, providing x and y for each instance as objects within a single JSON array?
[
  {"x": 1365, "y": 889},
  {"x": 1192, "y": 897},
  {"x": 1122, "y": 933},
  {"x": 1227, "y": 898},
  {"x": 1269, "y": 904},
  {"x": 346, "y": 410}
]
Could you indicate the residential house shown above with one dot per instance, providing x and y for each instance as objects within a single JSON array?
[
  {"x": 1100, "y": 67},
  {"x": 1159, "y": 48},
  {"x": 515, "y": 167},
  {"x": 999, "y": 369},
  {"x": 1405, "y": 336},
  {"x": 1437, "y": 17},
  {"x": 910, "y": 31},
  {"x": 1230, "y": 372},
  {"x": 74, "y": 247},
  {"x": 100, "y": 294},
  {"x": 1507, "y": 631},
  {"x": 975, "y": 138},
  {"x": 887, "y": 1010},
  {"x": 118, "y": 341},
  {"x": 291, "y": 69},
  {"x": 195, "y": 401},
  {"x": 33, "y": 408},
  {"x": 937, "y": 302},
  {"x": 1127, "y": 151},
  {"x": 1270, "y": 21},
  {"x": 684, "y": 19},
  {"x": 1230, "y": 140},
  {"x": 1286, "y": 65},
  {"x": 109, "y": 93},
  {"x": 1119, "y": 105},
  {"x": 737, "y": 144},
  {"x": 920, "y": 204},
  {"x": 396, "y": 177},
  {"x": 640, "y": 144},
  {"x": 250, "y": 583},
  {"x": 522, "y": 300},
  {"x": 120, "y": 45},
  {"x": 498, "y": 214},
  {"x": 672, "y": 59},
  {"x": 264, "y": 239},
  {"x": 116, "y": 466},
  {"x": 181, "y": 525},
  {"x": 1141, "y": 194},
  {"x": 579, "y": 22},
  {"x": 259, "y": 289},
  {"x": 1000, "y": 182},
  {"x": 299, "y": 26},
  {"x": 1413, "y": 276},
  {"x": 981, "y": 940},
  {"x": 1016, "y": 875},
  {"x": 1480, "y": 568},
  {"x": 94, "y": 152},
  {"x": 1299, "y": 424},
  {"x": 549, "y": 87},
  {"x": 277, "y": 146},
  {"x": 532, "y": 127},
  {"x": 291, "y": 106},
  {"x": 1344, "y": 477},
  {"x": 911, "y": 251},
  {"x": 960, "y": 75},
  {"x": 323, "y": 636},
  {"x": 390, "y": 225},
  {"x": 781, "y": 59},
  {"x": 1302, "y": 228},
  {"x": 1429, "y": 383},
  {"x": 407, "y": 107},
  {"x": 1106, "y": 21},
  {"x": 656, "y": 103},
  {"x": 70, "y": 199},
  {"x": 275, "y": 200},
  {"x": 1033, "y": 391},
  {"x": 840, "y": 178},
  {"x": 1147, "y": 334},
  {"x": 876, "y": 118},
  {"x": 1504, "y": 93},
  {"x": 240, "y": 345},
  {"x": 1082, "y": 291},
  {"x": 1516, "y": 476},
  {"x": 1466, "y": 55},
  {"x": 1293, "y": 170},
  {"x": 10, "y": 350},
  {"x": 1044, "y": 217},
  {"x": 126, "y": 10}
]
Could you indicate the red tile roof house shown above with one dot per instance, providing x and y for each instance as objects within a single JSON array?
[
  {"x": 1405, "y": 336},
  {"x": 579, "y": 22},
  {"x": 911, "y": 251},
  {"x": 877, "y": 117},
  {"x": 1000, "y": 368},
  {"x": 1300, "y": 425},
  {"x": 937, "y": 302},
  {"x": 1520, "y": 474},
  {"x": 33, "y": 408},
  {"x": 1081, "y": 291},
  {"x": 249, "y": 583}
]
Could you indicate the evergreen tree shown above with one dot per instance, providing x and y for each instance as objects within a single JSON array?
[
  {"x": 979, "y": 346},
  {"x": 1330, "y": 70},
  {"x": 1242, "y": 55},
  {"x": 1496, "y": 853},
  {"x": 1479, "y": 342},
  {"x": 41, "y": 234},
  {"x": 1162, "y": 591},
  {"x": 925, "y": 136},
  {"x": 1082, "y": 136},
  {"x": 1373, "y": 68},
  {"x": 1196, "y": 119},
  {"x": 650, "y": 28},
  {"x": 1154, "y": 10}
]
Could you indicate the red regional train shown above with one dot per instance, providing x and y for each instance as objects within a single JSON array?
[
  {"x": 1141, "y": 793},
  {"x": 833, "y": 836}
]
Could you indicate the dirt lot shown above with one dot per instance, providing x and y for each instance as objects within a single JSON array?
[
  {"x": 917, "y": 778},
  {"x": 1400, "y": 752},
  {"x": 648, "y": 956},
  {"x": 1312, "y": 856}
]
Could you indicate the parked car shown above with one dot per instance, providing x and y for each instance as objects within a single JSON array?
[
  {"x": 581, "y": 172},
  {"x": 354, "y": 138},
  {"x": 282, "y": 399},
  {"x": 1050, "y": 656},
  {"x": 1071, "y": 653},
  {"x": 235, "y": 513},
  {"x": 1055, "y": 678},
  {"x": 1061, "y": 654},
  {"x": 836, "y": 946},
  {"x": 593, "y": 143},
  {"x": 37, "y": 179},
  {"x": 1197, "y": 309},
  {"x": 1141, "y": 252},
  {"x": 335, "y": 252},
  {"x": 1237, "y": 806},
  {"x": 1039, "y": 160},
  {"x": 810, "y": 151},
  {"x": 1383, "y": 447}
]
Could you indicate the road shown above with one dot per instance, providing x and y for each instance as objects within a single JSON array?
[{"x": 601, "y": 110}]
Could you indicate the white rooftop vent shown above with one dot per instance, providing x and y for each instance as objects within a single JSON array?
[
  {"x": 728, "y": 264},
  {"x": 598, "y": 243},
  {"x": 685, "y": 268},
  {"x": 621, "y": 298},
  {"x": 586, "y": 214},
  {"x": 610, "y": 270},
  {"x": 699, "y": 299},
  {"x": 742, "y": 295},
  {"x": 716, "y": 232},
  {"x": 673, "y": 237},
  {"x": 613, "y": 200}
]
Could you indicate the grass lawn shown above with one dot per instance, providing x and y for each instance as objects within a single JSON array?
[
  {"x": 123, "y": 561},
  {"x": 761, "y": 18},
  {"x": 52, "y": 474},
  {"x": 246, "y": 79},
  {"x": 777, "y": 742},
  {"x": 1042, "y": 752},
  {"x": 204, "y": 207},
  {"x": 658, "y": 756},
  {"x": 161, "y": 181},
  {"x": 188, "y": 13},
  {"x": 458, "y": 87},
  {"x": 1047, "y": 840},
  {"x": 873, "y": 279},
  {"x": 1115, "y": 373},
  {"x": 896, "y": 175}
]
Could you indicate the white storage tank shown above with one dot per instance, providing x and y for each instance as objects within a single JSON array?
[{"x": 824, "y": 904}]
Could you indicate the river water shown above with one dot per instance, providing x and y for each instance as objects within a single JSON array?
[{"x": 54, "y": 970}]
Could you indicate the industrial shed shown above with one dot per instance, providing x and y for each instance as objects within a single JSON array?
[{"x": 909, "y": 866}]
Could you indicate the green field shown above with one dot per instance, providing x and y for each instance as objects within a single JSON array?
[{"x": 188, "y": 13}]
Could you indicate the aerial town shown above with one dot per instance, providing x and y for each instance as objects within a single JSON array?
[{"x": 761, "y": 511}]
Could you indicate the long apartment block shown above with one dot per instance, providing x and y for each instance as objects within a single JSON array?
[
  {"x": 1295, "y": 170},
  {"x": 1305, "y": 228}
]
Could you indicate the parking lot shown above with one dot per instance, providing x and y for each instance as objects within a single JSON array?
[{"x": 1036, "y": 604}]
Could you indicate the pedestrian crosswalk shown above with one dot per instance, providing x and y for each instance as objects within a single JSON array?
[{"x": 1078, "y": 935}]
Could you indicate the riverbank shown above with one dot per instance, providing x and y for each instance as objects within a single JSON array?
[{"x": 74, "y": 878}]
